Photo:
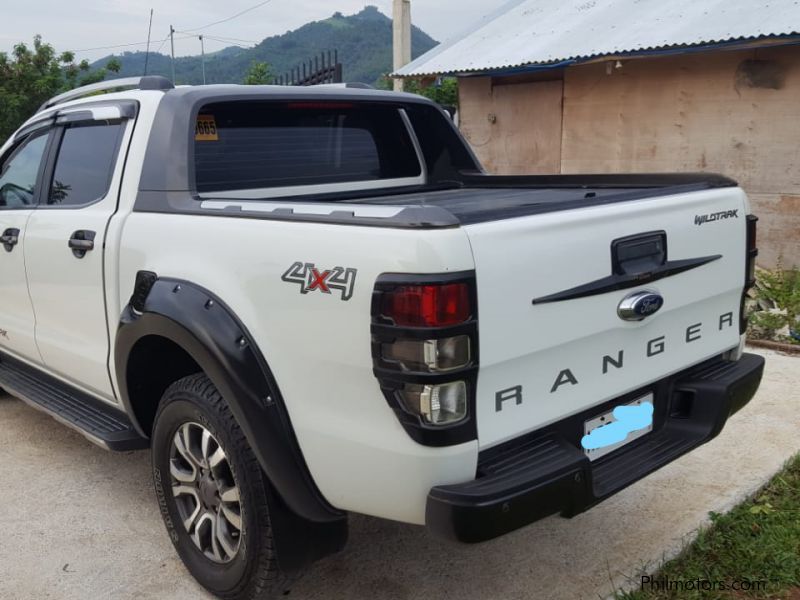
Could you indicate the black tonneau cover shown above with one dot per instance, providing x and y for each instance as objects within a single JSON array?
[{"x": 490, "y": 198}]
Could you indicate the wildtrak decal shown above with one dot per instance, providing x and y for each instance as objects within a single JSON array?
[
  {"x": 615, "y": 360},
  {"x": 311, "y": 279},
  {"x": 717, "y": 216},
  {"x": 3, "y": 333}
]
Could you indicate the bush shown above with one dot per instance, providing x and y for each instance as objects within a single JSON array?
[{"x": 774, "y": 305}]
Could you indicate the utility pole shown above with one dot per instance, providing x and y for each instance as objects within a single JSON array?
[
  {"x": 203, "y": 58},
  {"x": 149, "y": 31},
  {"x": 172, "y": 45},
  {"x": 401, "y": 29}
]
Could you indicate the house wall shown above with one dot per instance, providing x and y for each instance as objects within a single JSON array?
[
  {"x": 513, "y": 128},
  {"x": 734, "y": 112}
]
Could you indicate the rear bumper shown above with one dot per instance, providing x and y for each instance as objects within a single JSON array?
[{"x": 546, "y": 472}]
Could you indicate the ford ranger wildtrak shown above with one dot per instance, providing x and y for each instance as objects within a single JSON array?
[{"x": 310, "y": 302}]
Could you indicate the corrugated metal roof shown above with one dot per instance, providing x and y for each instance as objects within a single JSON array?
[{"x": 536, "y": 32}]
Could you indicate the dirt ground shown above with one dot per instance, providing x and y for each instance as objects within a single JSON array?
[{"x": 78, "y": 522}]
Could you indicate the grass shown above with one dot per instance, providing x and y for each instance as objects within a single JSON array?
[{"x": 758, "y": 540}]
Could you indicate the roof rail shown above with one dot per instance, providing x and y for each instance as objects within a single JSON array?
[
  {"x": 351, "y": 85},
  {"x": 148, "y": 82}
]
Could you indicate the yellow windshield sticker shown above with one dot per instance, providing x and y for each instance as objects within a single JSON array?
[{"x": 206, "y": 129}]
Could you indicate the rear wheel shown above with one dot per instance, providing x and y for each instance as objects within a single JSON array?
[{"x": 212, "y": 493}]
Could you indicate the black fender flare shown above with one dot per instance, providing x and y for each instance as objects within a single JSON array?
[{"x": 207, "y": 329}]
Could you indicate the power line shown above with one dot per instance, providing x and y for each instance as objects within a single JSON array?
[
  {"x": 225, "y": 38},
  {"x": 112, "y": 47},
  {"x": 233, "y": 41},
  {"x": 145, "y": 43},
  {"x": 164, "y": 41},
  {"x": 226, "y": 44},
  {"x": 232, "y": 17},
  {"x": 186, "y": 37}
]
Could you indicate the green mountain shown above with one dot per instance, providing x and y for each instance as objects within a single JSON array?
[{"x": 363, "y": 40}]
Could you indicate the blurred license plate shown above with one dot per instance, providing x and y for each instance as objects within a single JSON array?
[{"x": 612, "y": 430}]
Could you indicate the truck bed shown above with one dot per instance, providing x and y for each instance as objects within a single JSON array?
[{"x": 482, "y": 198}]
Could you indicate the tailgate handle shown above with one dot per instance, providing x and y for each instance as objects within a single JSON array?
[
  {"x": 641, "y": 253},
  {"x": 636, "y": 260}
]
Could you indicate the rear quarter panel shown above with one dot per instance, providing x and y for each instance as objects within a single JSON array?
[{"x": 317, "y": 344}]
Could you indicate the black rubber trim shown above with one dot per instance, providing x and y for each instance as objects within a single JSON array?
[
  {"x": 546, "y": 472},
  {"x": 213, "y": 336},
  {"x": 600, "y": 180},
  {"x": 623, "y": 282},
  {"x": 392, "y": 379},
  {"x": 98, "y": 420}
]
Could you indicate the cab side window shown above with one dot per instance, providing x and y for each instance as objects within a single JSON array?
[
  {"x": 85, "y": 164},
  {"x": 19, "y": 173}
]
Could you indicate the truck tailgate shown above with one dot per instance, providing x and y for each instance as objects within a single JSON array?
[{"x": 549, "y": 351}]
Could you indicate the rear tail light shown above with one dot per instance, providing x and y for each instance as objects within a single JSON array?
[
  {"x": 750, "y": 269},
  {"x": 752, "y": 251},
  {"x": 442, "y": 404},
  {"x": 425, "y": 353},
  {"x": 428, "y": 305},
  {"x": 432, "y": 356}
]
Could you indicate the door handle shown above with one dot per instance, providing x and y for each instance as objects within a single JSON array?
[
  {"x": 9, "y": 239},
  {"x": 81, "y": 242}
]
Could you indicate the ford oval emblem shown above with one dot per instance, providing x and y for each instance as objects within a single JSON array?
[{"x": 640, "y": 305}]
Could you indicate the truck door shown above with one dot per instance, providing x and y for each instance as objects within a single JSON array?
[
  {"x": 65, "y": 240},
  {"x": 19, "y": 176}
]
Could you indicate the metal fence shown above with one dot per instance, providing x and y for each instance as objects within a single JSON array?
[{"x": 324, "y": 68}]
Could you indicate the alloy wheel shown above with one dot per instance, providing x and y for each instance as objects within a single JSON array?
[{"x": 206, "y": 492}]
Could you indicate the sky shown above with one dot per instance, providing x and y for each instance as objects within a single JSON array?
[{"x": 85, "y": 26}]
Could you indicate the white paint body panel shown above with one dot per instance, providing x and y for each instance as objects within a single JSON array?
[
  {"x": 17, "y": 320},
  {"x": 317, "y": 346},
  {"x": 67, "y": 292},
  {"x": 518, "y": 260}
]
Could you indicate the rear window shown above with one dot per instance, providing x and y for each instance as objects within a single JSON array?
[{"x": 257, "y": 145}]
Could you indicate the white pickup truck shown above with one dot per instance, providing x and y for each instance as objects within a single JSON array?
[{"x": 312, "y": 301}]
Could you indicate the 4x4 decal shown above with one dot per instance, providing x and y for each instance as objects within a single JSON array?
[{"x": 311, "y": 279}]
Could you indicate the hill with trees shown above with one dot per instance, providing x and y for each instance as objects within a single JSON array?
[{"x": 363, "y": 40}]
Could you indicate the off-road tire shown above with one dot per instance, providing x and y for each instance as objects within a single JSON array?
[{"x": 253, "y": 571}]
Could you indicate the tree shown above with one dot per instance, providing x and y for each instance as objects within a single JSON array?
[
  {"x": 112, "y": 66},
  {"x": 30, "y": 76},
  {"x": 443, "y": 90},
  {"x": 258, "y": 74}
]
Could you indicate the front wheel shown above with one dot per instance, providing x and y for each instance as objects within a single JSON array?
[{"x": 212, "y": 493}]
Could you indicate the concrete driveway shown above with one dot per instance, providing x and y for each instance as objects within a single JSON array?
[{"x": 78, "y": 522}]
